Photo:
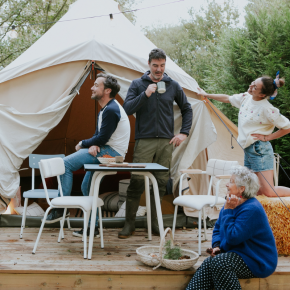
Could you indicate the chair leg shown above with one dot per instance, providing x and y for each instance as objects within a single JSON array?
[
  {"x": 199, "y": 232},
  {"x": 204, "y": 223},
  {"x": 85, "y": 234},
  {"x": 174, "y": 220},
  {"x": 23, "y": 217},
  {"x": 61, "y": 234},
  {"x": 68, "y": 224},
  {"x": 86, "y": 220},
  {"x": 40, "y": 230},
  {"x": 101, "y": 227}
]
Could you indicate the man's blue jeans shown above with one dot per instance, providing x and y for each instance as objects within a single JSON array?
[{"x": 76, "y": 161}]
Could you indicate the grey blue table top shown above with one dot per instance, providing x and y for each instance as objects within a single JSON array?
[{"x": 150, "y": 167}]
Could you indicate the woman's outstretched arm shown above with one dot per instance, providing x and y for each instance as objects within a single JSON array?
[{"x": 218, "y": 97}]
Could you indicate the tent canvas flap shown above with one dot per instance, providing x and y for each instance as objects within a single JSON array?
[{"x": 21, "y": 133}]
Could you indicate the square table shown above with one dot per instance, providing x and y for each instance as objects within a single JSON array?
[{"x": 100, "y": 172}]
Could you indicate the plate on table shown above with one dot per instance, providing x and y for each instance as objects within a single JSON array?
[{"x": 105, "y": 160}]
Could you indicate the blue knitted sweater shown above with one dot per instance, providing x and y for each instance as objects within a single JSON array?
[{"x": 245, "y": 230}]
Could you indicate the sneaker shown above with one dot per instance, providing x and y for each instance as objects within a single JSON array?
[
  {"x": 80, "y": 233},
  {"x": 56, "y": 215}
]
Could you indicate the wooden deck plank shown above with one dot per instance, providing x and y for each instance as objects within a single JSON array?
[{"x": 62, "y": 266}]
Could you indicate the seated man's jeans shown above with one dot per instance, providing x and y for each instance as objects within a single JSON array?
[{"x": 76, "y": 161}]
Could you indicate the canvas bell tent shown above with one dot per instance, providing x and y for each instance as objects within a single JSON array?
[{"x": 45, "y": 103}]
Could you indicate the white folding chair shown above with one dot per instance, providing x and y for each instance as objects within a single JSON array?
[
  {"x": 55, "y": 167},
  {"x": 37, "y": 193},
  {"x": 215, "y": 168}
]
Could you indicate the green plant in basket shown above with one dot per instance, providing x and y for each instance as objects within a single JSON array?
[{"x": 172, "y": 253}]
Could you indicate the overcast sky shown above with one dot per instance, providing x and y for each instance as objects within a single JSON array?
[{"x": 172, "y": 13}]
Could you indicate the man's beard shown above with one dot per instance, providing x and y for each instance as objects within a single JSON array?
[
  {"x": 97, "y": 97},
  {"x": 155, "y": 77}
]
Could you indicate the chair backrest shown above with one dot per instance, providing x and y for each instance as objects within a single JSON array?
[
  {"x": 219, "y": 167},
  {"x": 35, "y": 158},
  {"x": 51, "y": 167},
  {"x": 33, "y": 163}
]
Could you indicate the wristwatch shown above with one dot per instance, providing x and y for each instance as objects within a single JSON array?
[{"x": 81, "y": 143}]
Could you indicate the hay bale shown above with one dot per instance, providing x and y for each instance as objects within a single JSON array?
[{"x": 279, "y": 218}]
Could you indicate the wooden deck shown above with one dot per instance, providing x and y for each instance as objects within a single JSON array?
[{"x": 61, "y": 265}]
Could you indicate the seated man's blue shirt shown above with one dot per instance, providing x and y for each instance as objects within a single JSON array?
[{"x": 113, "y": 129}]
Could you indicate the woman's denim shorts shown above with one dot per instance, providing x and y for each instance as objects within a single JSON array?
[{"x": 259, "y": 156}]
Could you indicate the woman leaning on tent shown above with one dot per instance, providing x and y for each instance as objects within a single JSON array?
[
  {"x": 257, "y": 120},
  {"x": 243, "y": 245}
]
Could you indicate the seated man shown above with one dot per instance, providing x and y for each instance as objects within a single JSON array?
[{"x": 111, "y": 138}]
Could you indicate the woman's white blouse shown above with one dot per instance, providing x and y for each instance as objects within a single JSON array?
[{"x": 256, "y": 117}]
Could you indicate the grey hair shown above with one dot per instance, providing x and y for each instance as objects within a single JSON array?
[{"x": 247, "y": 178}]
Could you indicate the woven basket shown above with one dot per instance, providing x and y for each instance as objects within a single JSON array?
[
  {"x": 144, "y": 256},
  {"x": 144, "y": 252}
]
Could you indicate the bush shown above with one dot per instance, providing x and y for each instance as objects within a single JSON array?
[{"x": 261, "y": 48}]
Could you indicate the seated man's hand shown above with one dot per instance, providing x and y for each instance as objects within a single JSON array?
[
  {"x": 178, "y": 139},
  {"x": 94, "y": 150},
  {"x": 78, "y": 147}
]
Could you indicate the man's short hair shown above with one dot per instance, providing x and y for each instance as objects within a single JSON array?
[
  {"x": 110, "y": 83},
  {"x": 157, "y": 53}
]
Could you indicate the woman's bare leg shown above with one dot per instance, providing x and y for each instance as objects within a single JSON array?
[{"x": 267, "y": 187}]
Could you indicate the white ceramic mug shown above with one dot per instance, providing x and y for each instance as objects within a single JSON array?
[
  {"x": 161, "y": 87},
  {"x": 119, "y": 159}
]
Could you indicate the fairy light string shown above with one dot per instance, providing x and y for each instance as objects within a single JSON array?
[{"x": 110, "y": 15}]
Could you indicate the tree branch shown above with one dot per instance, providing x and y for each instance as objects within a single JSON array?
[{"x": 59, "y": 11}]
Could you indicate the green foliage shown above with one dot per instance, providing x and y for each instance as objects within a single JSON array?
[
  {"x": 260, "y": 48},
  {"x": 24, "y": 13},
  {"x": 224, "y": 58},
  {"x": 192, "y": 44},
  {"x": 172, "y": 253},
  {"x": 126, "y": 5}
]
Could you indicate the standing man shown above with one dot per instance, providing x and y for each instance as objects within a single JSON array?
[
  {"x": 111, "y": 138},
  {"x": 154, "y": 132}
]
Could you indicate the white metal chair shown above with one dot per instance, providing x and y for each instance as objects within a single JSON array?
[
  {"x": 215, "y": 168},
  {"x": 37, "y": 193},
  {"x": 55, "y": 167}
]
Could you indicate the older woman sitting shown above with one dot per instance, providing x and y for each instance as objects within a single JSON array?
[{"x": 243, "y": 244}]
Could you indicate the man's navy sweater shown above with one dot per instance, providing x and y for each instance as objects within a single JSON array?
[
  {"x": 245, "y": 231},
  {"x": 154, "y": 115}
]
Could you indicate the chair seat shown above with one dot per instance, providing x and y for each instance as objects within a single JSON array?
[
  {"x": 197, "y": 201},
  {"x": 39, "y": 193},
  {"x": 76, "y": 201}
]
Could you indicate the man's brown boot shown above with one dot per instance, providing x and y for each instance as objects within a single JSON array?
[{"x": 128, "y": 230}]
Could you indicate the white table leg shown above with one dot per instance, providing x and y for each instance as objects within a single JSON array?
[
  {"x": 157, "y": 203},
  {"x": 97, "y": 177},
  {"x": 148, "y": 207},
  {"x": 157, "y": 199},
  {"x": 199, "y": 232}
]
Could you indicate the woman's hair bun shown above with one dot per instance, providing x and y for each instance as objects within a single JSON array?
[
  {"x": 268, "y": 87},
  {"x": 281, "y": 82}
]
